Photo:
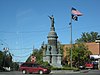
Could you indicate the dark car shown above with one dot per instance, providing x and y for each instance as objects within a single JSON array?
[
  {"x": 81, "y": 67},
  {"x": 34, "y": 68}
]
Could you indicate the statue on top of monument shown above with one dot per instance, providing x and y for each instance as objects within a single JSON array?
[{"x": 52, "y": 20}]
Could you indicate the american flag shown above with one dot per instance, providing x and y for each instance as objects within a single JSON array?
[{"x": 76, "y": 12}]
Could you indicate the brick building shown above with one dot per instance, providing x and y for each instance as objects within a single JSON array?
[{"x": 94, "y": 47}]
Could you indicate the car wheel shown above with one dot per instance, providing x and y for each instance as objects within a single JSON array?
[
  {"x": 40, "y": 72},
  {"x": 24, "y": 71}
]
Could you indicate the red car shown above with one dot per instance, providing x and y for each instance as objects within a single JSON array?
[
  {"x": 89, "y": 65},
  {"x": 33, "y": 68}
]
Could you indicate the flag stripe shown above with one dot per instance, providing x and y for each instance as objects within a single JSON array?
[{"x": 76, "y": 12}]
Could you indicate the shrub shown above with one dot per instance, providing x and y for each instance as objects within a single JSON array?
[{"x": 64, "y": 68}]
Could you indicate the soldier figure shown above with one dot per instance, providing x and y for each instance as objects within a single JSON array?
[{"x": 52, "y": 20}]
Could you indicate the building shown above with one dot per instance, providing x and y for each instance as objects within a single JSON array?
[
  {"x": 94, "y": 47},
  {"x": 52, "y": 53}
]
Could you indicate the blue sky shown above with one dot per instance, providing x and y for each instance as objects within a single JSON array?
[{"x": 24, "y": 24}]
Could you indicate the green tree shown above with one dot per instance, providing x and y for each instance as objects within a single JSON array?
[
  {"x": 87, "y": 37},
  {"x": 15, "y": 66},
  {"x": 80, "y": 54},
  {"x": 38, "y": 54},
  {"x": 1, "y": 58},
  {"x": 7, "y": 59}
]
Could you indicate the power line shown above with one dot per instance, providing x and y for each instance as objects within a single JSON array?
[
  {"x": 41, "y": 31},
  {"x": 21, "y": 56},
  {"x": 20, "y": 48},
  {"x": 35, "y": 31}
]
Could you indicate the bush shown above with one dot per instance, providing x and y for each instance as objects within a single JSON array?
[
  {"x": 46, "y": 64},
  {"x": 64, "y": 68}
]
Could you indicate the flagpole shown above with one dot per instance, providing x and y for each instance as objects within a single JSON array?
[
  {"x": 76, "y": 13},
  {"x": 71, "y": 39}
]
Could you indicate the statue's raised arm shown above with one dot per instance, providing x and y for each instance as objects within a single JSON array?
[{"x": 52, "y": 20}]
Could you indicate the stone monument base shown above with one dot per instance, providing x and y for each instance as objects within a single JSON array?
[{"x": 55, "y": 60}]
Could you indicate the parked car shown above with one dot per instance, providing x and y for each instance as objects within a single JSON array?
[
  {"x": 89, "y": 65},
  {"x": 81, "y": 67},
  {"x": 34, "y": 68}
]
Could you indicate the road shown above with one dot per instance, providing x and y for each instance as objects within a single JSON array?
[{"x": 84, "y": 72}]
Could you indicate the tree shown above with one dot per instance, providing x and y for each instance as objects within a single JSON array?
[
  {"x": 1, "y": 58},
  {"x": 15, "y": 66},
  {"x": 8, "y": 60},
  {"x": 38, "y": 54},
  {"x": 5, "y": 59},
  {"x": 80, "y": 54},
  {"x": 87, "y": 37}
]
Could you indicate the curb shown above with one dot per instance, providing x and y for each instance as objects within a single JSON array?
[{"x": 64, "y": 71}]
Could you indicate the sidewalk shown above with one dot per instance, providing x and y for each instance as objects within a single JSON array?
[
  {"x": 72, "y": 71},
  {"x": 64, "y": 71}
]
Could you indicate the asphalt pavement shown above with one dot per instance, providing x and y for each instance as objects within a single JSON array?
[{"x": 58, "y": 72}]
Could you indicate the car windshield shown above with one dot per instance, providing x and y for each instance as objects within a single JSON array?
[{"x": 38, "y": 65}]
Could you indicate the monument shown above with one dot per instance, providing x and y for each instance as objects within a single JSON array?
[{"x": 52, "y": 53}]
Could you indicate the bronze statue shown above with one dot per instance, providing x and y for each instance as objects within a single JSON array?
[{"x": 52, "y": 20}]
